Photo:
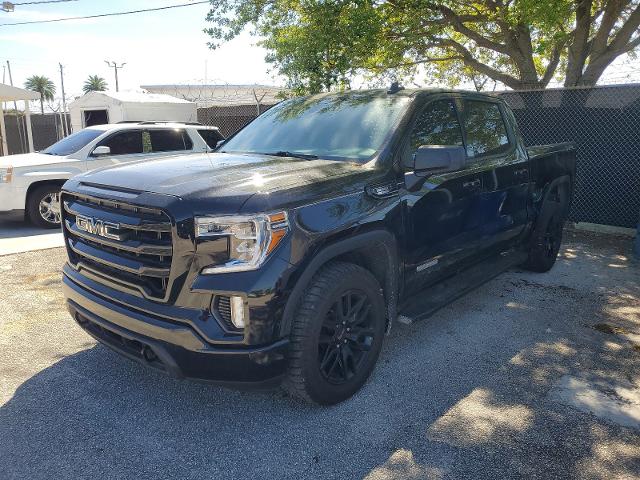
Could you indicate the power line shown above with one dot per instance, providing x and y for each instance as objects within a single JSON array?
[
  {"x": 103, "y": 14},
  {"x": 43, "y": 1}
]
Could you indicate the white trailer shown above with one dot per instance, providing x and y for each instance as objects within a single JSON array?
[{"x": 97, "y": 108}]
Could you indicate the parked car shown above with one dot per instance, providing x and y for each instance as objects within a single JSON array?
[
  {"x": 31, "y": 182},
  {"x": 317, "y": 227}
]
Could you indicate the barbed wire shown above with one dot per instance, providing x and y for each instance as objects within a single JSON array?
[{"x": 221, "y": 94}]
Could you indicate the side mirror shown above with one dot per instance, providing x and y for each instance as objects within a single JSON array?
[
  {"x": 101, "y": 151},
  {"x": 435, "y": 159}
]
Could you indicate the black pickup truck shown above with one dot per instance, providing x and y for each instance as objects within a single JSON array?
[{"x": 285, "y": 256}]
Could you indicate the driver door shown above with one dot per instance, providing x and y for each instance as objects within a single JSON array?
[
  {"x": 442, "y": 218},
  {"x": 125, "y": 146}
]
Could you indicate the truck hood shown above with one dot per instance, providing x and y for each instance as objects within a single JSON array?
[
  {"x": 223, "y": 178},
  {"x": 31, "y": 160}
]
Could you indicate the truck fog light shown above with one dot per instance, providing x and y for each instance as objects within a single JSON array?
[{"x": 237, "y": 311}]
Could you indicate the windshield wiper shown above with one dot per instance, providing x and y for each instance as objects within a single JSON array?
[{"x": 284, "y": 153}]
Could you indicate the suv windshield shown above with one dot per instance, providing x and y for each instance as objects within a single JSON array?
[
  {"x": 351, "y": 126},
  {"x": 73, "y": 142}
]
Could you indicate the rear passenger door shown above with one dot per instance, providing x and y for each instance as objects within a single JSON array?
[
  {"x": 169, "y": 141},
  {"x": 492, "y": 150}
]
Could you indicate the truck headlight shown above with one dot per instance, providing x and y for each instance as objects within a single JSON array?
[
  {"x": 5, "y": 174},
  {"x": 251, "y": 238}
]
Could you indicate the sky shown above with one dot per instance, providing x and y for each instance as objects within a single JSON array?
[{"x": 159, "y": 47}]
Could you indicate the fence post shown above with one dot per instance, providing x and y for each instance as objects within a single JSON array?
[
  {"x": 3, "y": 131},
  {"x": 27, "y": 115},
  {"x": 636, "y": 242}
]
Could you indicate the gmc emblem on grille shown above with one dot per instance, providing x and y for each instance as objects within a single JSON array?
[{"x": 98, "y": 227}]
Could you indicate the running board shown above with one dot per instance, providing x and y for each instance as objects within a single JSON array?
[{"x": 432, "y": 299}]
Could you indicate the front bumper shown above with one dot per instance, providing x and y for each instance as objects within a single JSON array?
[{"x": 170, "y": 346}]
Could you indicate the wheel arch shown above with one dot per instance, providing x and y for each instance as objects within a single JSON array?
[
  {"x": 35, "y": 185},
  {"x": 564, "y": 183},
  {"x": 39, "y": 183},
  {"x": 365, "y": 249}
]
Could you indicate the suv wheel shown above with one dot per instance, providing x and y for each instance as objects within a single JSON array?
[
  {"x": 43, "y": 206},
  {"x": 336, "y": 335}
]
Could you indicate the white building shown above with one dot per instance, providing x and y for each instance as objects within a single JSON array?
[{"x": 95, "y": 108}]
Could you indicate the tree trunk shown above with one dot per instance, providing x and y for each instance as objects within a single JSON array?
[
  {"x": 595, "y": 69},
  {"x": 577, "y": 52},
  {"x": 41, "y": 105}
]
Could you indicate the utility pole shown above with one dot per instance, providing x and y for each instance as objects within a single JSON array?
[
  {"x": 115, "y": 70},
  {"x": 15, "y": 110},
  {"x": 65, "y": 128}
]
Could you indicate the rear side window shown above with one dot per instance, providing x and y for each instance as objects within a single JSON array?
[
  {"x": 437, "y": 125},
  {"x": 486, "y": 133},
  {"x": 125, "y": 143},
  {"x": 211, "y": 137},
  {"x": 169, "y": 140}
]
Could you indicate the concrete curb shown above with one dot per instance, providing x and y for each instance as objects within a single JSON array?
[{"x": 598, "y": 228}]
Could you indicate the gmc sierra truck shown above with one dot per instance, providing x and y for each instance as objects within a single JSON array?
[{"x": 285, "y": 256}]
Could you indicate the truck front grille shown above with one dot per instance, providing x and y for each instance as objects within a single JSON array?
[{"x": 118, "y": 242}]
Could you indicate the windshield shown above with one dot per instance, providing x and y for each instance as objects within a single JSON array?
[
  {"x": 73, "y": 142},
  {"x": 351, "y": 126}
]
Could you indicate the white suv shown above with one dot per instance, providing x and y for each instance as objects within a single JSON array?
[{"x": 31, "y": 182}]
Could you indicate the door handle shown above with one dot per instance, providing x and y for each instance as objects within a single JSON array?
[
  {"x": 521, "y": 173},
  {"x": 471, "y": 184}
]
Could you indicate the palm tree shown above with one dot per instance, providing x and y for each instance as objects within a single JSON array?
[
  {"x": 42, "y": 85},
  {"x": 94, "y": 83}
]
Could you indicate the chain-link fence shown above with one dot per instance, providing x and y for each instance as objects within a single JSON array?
[
  {"x": 604, "y": 124},
  {"x": 47, "y": 129},
  {"x": 228, "y": 107},
  {"x": 230, "y": 119}
]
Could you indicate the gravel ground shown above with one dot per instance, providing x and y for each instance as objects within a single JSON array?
[{"x": 476, "y": 391}]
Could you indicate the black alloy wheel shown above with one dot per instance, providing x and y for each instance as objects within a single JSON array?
[
  {"x": 346, "y": 337},
  {"x": 336, "y": 335},
  {"x": 553, "y": 237}
]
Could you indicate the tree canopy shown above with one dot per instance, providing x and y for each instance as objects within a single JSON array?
[
  {"x": 94, "y": 83},
  {"x": 322, "y": 44},
  {"x": 43, "y": 85}
]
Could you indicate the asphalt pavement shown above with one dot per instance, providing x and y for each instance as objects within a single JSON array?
[{"x": 514, "y": 380}]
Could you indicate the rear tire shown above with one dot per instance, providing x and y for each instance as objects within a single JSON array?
[
  {"x": 337, "y": 334},
  {"x": 43, "y": 206},
  {"x": 546, "y": 237}
]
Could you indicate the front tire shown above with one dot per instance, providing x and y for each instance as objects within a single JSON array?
[
  {"x": 336, "y": 335},
  {"x": 43, "y": 206}
]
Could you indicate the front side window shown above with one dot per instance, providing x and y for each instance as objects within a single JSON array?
[
  {"x": 349, "y": 126},
  {"x": 437, "y": 125},
  {"x": 128, "y": 142},
  {"x": 485, "y": 129},
  {"x": 169, "y": 140}
]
